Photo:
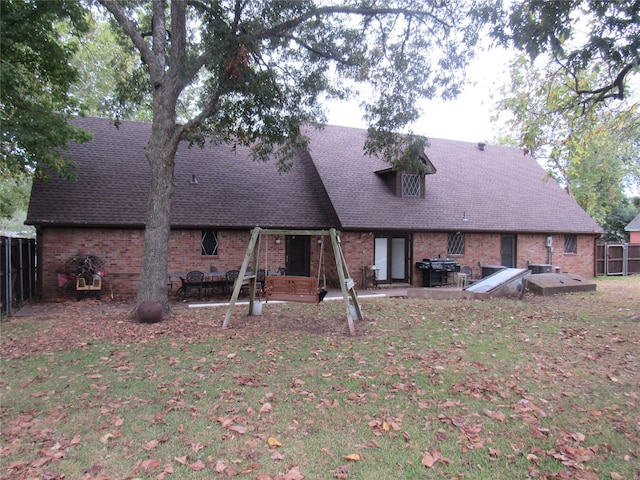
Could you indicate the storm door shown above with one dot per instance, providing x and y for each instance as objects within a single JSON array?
[
  {"x": 508, "y": 250},
  {"x": 392, "y": 257},
  {"x": 297, "y": 255}
]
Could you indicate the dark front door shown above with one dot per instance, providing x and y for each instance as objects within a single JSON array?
[
  {"x": 508, "y": 250},
  {"x": 297, "y": 252}
]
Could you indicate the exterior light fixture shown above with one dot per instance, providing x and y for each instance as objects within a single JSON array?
[
  {"x": 277, "y": 240},
  {"x": 194, "y": 180},
  {"x": 319, "y": 240}
]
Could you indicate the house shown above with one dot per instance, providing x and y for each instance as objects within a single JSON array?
[
  {"x": 634, "y": 230},
  {"x": 479, "y": 204}
]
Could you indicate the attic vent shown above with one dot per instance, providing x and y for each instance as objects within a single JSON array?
[{"x": 481, "y": 146}]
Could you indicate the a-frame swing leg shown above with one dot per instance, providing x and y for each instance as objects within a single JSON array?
[
  {"x": 346, "y": 282},
  {"x": 251, "y": 250}
]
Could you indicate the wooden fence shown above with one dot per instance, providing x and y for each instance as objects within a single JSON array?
[
  {"x": 17, "y": 272},
  {"x": 617, "y": 259}
]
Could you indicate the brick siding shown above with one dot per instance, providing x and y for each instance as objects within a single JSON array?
[{"x": 121, "y": 251}]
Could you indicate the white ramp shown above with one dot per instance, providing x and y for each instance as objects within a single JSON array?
[{"x": 505, "y": 283}]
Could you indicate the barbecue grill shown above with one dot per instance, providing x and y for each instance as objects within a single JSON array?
[{"x": 435, "y": 271}]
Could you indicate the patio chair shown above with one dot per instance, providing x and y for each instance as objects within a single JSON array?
[
  {"x": 261, "y": 279},
  {"x": 214, "y": 281},
  {"x": 193, "y": 281},
  {"x": 230, "y": 280},
  {"x": 464, "y": 276}
]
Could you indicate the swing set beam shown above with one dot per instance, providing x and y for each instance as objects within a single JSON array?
[{"x": 347, "y": 285}]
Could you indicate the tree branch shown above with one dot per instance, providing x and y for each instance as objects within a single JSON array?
[
  {"x": 363, "y": 11},
  {"x": 212, "y": 106},
  {"x": 178, "y": 34},
  {"x": 328, "y": 56},
  {"x": 130, "y": 29},
  {"x": 159, "y": 48},
  {"x": 605, "y": 92}
]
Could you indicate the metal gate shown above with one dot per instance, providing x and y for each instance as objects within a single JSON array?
[
  {"x": 17, "y": 272},
  {"x": 617, "y": 259}
]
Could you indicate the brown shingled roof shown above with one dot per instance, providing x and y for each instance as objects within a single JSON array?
[
  {"x": 634, "y": 225},
  {"x": 232, "y": 191},
  {"x": 333, "y": 185},
  {"x": 499, "y": 189}
]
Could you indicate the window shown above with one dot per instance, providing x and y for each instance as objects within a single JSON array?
[
  {"x": 570, "y": 244},
  {"x": 209, "y": 242},
  {"x": 456, "y": 244},
  {"x": 410, "y": 185}
]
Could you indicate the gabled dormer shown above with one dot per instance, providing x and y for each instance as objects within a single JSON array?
[{"x": 407, "y": 183}]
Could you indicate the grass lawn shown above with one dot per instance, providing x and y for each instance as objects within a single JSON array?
[{"x": 544, "y": 387}]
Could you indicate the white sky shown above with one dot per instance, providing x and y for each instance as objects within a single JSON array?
[{"x": 465, "y": 118}]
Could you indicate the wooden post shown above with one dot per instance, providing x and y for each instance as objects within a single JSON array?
[
  {"x": 342, "y": 278},
  {"x": 243, "y": 269}
]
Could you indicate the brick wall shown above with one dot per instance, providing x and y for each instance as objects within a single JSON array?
[
  {"x": 121, "y": 250},
  {"x": 484, "y": 249}
]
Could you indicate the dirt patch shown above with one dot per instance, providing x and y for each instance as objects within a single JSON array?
[
  {"x": 67, "y": 325},
  {"x": 72, "y": 325}
]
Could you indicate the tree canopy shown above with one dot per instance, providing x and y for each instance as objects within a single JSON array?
[
  {"x": 579, "y": 34},
  {"x": 35, "y": 76},
  {"x": 593, "y": 153}
]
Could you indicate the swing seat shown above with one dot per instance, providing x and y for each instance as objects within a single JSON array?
[{"x": 291, "y": 289}]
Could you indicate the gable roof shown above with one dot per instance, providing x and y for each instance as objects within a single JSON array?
[
  {"x": 112, "y": 186},
  {"x": 497, "y": 189},
  {"x": 332, "y": 185},
  {"x": 634, "y": 225}
]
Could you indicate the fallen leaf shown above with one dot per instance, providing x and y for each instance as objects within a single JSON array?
[
  {"x": 196, "y": 447},
  {"x": 293, "y": 474},
  {"x": 199, "y": 465},
  {"x": 273, "y": 442},
  {"x": 238, "y": 429},
  {"x": 151, "y": 445},
  {"x": 150, "y": 464},
  {"x": 106, "y": 437},
  {"x": 354, "y": 457},
  {"x": 266, "y": 408},
  {"x": 221, "y": 466},
  {"x": 276, "y": 455},
  {"x": 428, "y": 460},
  {"x": 499, "y": 416},
  {"x": 41, "y": 462}
]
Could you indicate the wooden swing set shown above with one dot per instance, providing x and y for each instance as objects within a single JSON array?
[{"x": 294, "y": 288}]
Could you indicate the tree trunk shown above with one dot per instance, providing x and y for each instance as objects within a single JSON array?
[{"x": 161, "y": 156}]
